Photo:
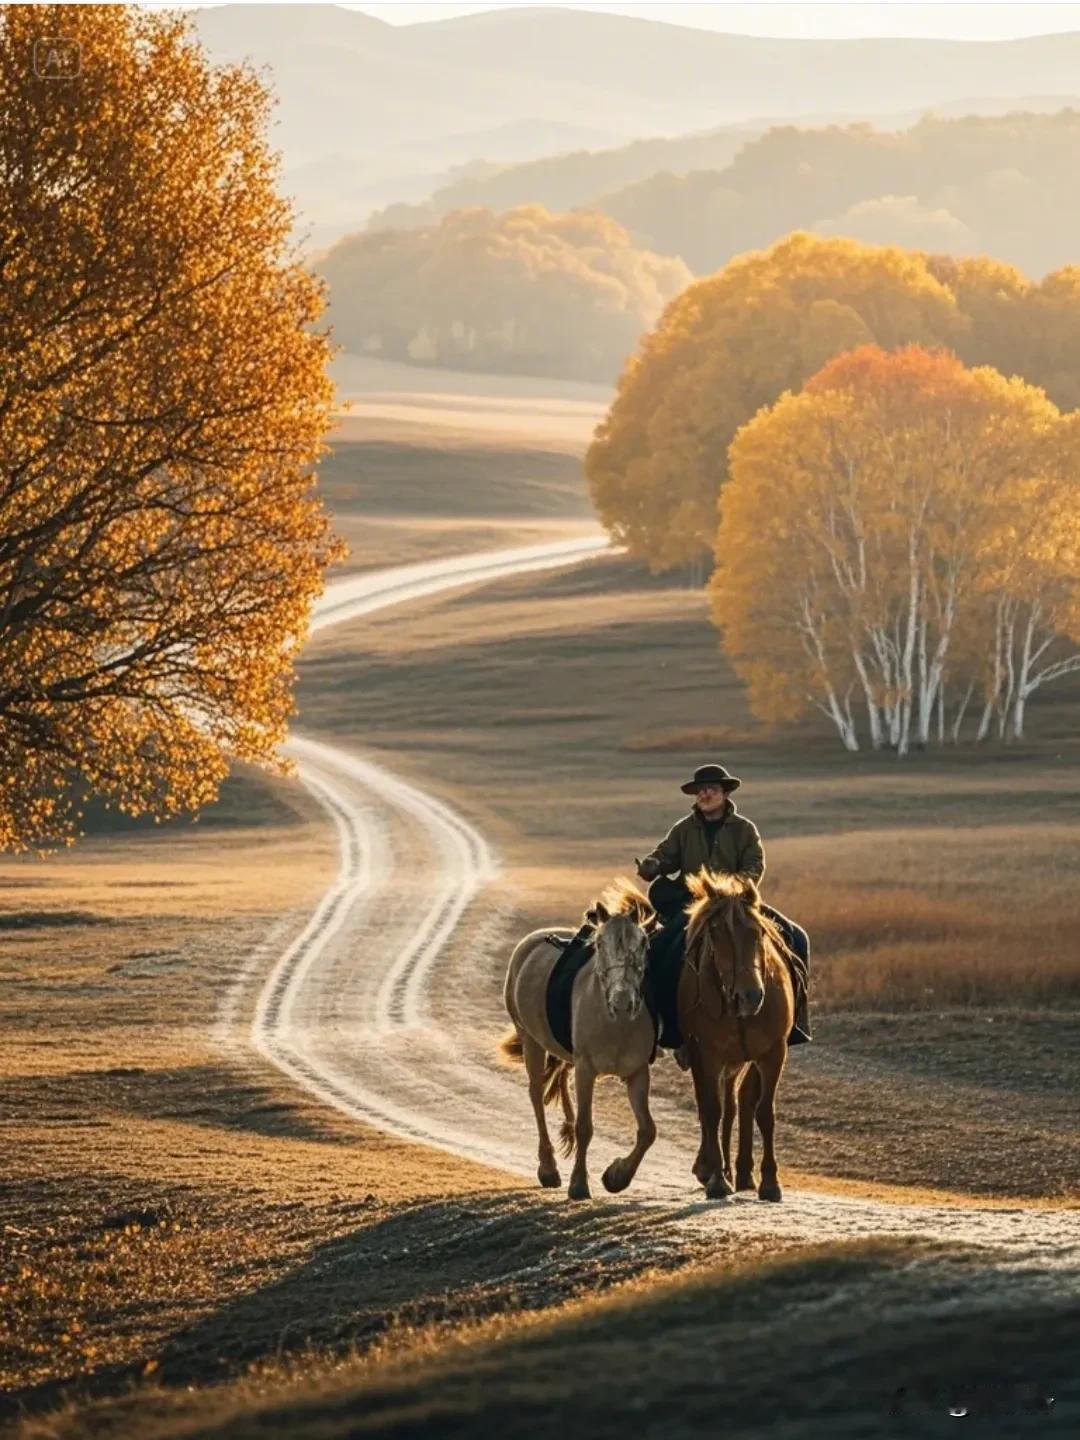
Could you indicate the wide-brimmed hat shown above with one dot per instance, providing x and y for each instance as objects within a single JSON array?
[{"x": 711, "y": 775}]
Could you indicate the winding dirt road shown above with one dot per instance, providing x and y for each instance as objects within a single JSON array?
[{"x": 379, "y": 1008}]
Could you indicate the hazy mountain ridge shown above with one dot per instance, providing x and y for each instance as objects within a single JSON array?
[
  {"x": 963, "y": 186},
  {"x": 403, "y": 103}
]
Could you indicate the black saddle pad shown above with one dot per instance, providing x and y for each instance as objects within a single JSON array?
[
  {"x": 666, "y": 952},
  {"x": 577, "y": 952}
]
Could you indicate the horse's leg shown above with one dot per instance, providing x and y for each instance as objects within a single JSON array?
[
  {"x": 771, "y": 1067},
  {"x": 619, "y": 1173},
  {"x": 584, "y": 1080},
  {"x": 749, "y": 1093},
  {"x": 535, "y": 1060},
  {"x": 707, "y": 1086},
  {"x": 731, "y": 1080},
  {"x": 699, "y": 1168}
]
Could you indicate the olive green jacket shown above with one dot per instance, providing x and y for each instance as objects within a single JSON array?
[{"x": 736, "y": 846}]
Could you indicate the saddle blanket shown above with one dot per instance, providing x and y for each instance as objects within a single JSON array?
[{"x": 577, "y": 952}]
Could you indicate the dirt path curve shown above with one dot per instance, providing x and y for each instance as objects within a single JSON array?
[{"x": 358, "y": 1009}]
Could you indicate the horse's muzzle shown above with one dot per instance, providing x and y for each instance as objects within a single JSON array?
[
  {"x": 749, "y": 1002},
  {"x": 624, "y": 1004}
]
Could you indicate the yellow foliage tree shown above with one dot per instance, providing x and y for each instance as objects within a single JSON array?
[
  {"x": 726, "y": 347},
  {"x": 525, "y": 291},
  {"x": 162, "y": 398},
  {"x": 855, "y": 536}
]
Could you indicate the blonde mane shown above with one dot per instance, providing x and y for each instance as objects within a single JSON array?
[
  {"x": 622, "y": 897},
  {"x": 713, "y": 890}
]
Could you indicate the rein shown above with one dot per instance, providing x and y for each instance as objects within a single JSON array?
[{"x": 727, "y": 992}]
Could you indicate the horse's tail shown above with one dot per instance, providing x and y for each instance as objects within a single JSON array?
[
  {"x": 558, "y": 1086},
  {"x": 511, "y": 1048}
]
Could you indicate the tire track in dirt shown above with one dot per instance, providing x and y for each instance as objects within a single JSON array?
[{"x": 345, "y": 1010}]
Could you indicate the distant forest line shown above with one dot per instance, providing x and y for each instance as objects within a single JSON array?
[
  {"x": 999, "y": 185},
  {"x": 594, "y": 244}
]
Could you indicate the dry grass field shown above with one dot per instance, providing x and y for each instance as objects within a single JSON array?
[
  {"x": 191, "y": 1247},
  {"x": 400, "y": 502}
]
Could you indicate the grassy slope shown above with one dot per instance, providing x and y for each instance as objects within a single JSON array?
[
  {"x": 852, "y": 1341},
  {"x": 153, "y": 1169}
]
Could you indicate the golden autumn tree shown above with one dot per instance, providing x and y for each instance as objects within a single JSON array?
[
  {"x": 856, "y": 533},
  {"x": 1029, "y": 623},
  {"x": 163, "y": 394},
  {"x": 726, "y": 347}
]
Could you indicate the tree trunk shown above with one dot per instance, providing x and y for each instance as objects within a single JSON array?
[
  {"x": 984, "y": 724},
  {"x": 961, "y": 712}
]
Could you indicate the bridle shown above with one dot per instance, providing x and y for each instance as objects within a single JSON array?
[
  {"x": 694, "y": 956},
  {"x": 618, "y": 969}
]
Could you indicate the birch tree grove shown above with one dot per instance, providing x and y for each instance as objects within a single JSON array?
[{"x": 897, "y": 548}]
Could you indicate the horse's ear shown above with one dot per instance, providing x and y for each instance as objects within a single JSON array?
[
  {"x": 709, "y": 884},
  {"x": 643, "y": 911},
  {"x": 750, "y": 891},
  {"x": 602, "y": 913},
  {"x": 591, "y": 917}
]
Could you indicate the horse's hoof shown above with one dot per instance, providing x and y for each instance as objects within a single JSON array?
[
  {"x": 744, "y": 1182},
  {"x": 718, "y": 1188},
  {"x": 549, "y": 1179},
  {"x": 615, "y": 1177},
  {"x": 579, "y": 1190},
  {"x": 770, "y": 1190}
]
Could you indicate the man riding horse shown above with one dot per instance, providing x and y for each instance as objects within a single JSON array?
[{"x": 713, "y": 836}]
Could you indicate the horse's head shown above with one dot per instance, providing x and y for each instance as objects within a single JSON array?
[
  {"x": 727, "y": 931},
  {"x": 622, "y": 920}
]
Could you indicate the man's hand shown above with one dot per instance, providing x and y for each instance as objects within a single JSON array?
[{"x": 648, "y": 869}]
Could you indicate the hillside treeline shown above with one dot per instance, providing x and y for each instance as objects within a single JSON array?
[
  {"x": 999, "y": 185},
  {"x": 526, "y": 292},
  {"x": 566, "y": 181},
  {"x": 751, "y": 338}
]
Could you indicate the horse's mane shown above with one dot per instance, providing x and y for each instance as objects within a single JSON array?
[
  {"x": 712, "y": 888},
  {"x": 622, "y": 897}
]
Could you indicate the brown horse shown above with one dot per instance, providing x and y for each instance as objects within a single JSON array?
[
  {"x": 612, "y": 1031},
  {"x": 736, "y": 1006}
]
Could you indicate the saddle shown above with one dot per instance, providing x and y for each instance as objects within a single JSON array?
[{"x": 576, "y": 954}]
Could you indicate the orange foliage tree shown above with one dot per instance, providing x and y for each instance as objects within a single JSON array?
[
  {"x": 727, "y": 346},
  {"x": 736, "y": 341},
  {"x": 886, "y": 536},
  {"x": 163, "y": 395}
]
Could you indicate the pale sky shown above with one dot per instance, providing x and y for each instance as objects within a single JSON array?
[
  {"x": 977, "y": 21},
  {"x": 793, "y": 18}
]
